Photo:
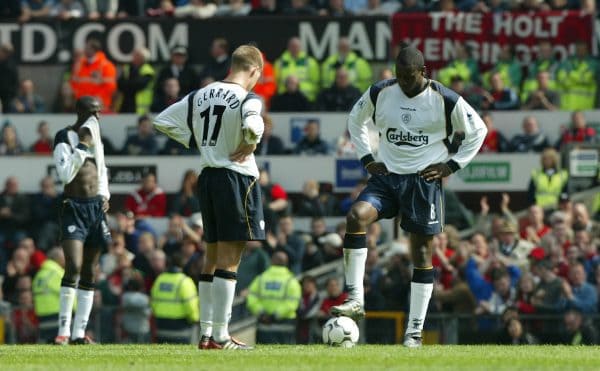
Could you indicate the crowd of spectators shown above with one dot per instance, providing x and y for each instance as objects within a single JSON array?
[
  {"x": 507, "y": 268},
  {"x": 110, "y": 9}
]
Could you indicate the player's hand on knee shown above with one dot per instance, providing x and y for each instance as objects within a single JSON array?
[
  {"x": 377, "y": 168},
  {"x": 436, "y": 171},
  {"x": 242, "y": 151}
]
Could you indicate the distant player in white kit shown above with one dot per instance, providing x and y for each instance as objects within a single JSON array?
[
  {"x": 223, "y": 120},
  {"x": 416, "y": 118}
]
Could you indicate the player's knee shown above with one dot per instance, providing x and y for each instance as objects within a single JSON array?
[
  {"x": 72, "y": 269},
  {"x": 357, "y": 218}
]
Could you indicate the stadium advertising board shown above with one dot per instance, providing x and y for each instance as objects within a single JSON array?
[
  {"x": 53, "y": 41},
  {"x": 436, "y": 33},
  {"x": 348, "y": 172},
  {"x": 583, "y": 163}
]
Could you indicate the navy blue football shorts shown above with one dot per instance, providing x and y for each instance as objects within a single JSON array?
[
  {"x": 231, "y": 206},
  {"x": 82, "y": 219},
  {"x": 418, "y": 202}
]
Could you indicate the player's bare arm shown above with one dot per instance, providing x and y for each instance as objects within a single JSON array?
[{"x": 242, "y": 151}]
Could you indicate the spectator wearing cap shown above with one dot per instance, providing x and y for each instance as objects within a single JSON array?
[
  {"x": 510, "y": 249},
  {"x": 144, "y": 141},
  {"x": 331, "y": 244},
  {"x": 136, "y": 83},
  {"x": 565, "y": 204},
  {"x": 547, "y": 182},
  {"x": 179, "y": 69}
]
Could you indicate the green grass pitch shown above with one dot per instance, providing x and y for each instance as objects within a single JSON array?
[{"x": 313, "y": 357}]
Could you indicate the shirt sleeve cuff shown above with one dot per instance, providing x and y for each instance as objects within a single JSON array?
[
  {"x": 453, "y": 165},
  {"x": 82, "y": 147},
  {"x": 367, "y": 159}
]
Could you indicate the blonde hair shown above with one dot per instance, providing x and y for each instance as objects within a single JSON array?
[
  {"x": 245, "y": 57},
  {"x": 552, "y": 154}
]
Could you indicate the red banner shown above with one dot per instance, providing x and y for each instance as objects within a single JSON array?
[{"x": 436, "y": 33}]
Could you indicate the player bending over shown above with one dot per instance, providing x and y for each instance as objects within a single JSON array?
[
  {"x": 79, "y": 160},
  {"x": 416, "y": 118},
  {"x": 223, "y": 120}
]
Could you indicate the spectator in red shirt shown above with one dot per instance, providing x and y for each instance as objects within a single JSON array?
[
  {"x": 149, "y": 200},
  {"x": 494, "y": 140},
  {"x": 44, "y": 143},
  {"x": 525, "y": 289},
  {"x": 441, "y": 260},
  {"x": 275, "y": 199},
  {"x": 578, "y": 133},
  {"x": 335, "y": 296},
  {"x": 535, "y": 228}
]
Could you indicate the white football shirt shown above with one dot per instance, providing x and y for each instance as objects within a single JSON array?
[
  {"x": 415, "y": 132},
  {"x": 219, "y": 117}
]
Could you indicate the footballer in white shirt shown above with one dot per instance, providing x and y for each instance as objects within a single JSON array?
[
  {"x": 79, "y": 160},
  {"x": 223, "y": 121},
  {"x": 427, "y": 132}
]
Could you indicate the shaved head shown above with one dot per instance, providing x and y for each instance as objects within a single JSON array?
[
  {"x": 410, "y": 71},
  {"x": 410, "y": 57}
]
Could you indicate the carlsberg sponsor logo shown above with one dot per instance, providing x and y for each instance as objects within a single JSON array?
[{"x": 400, "y": 138}]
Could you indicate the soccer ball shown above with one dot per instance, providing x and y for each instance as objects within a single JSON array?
[{"x": 340, "y": 332}]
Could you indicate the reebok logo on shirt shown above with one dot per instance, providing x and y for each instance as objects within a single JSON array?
[{"x": 401, "y": 138}]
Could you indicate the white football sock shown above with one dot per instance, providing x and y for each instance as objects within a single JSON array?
[
  {"x": 85, "y": 300},
  {"x": 420, "y": 293},
  {"x": 223, "y": 291},
  {"x": 206, "y": 307},
  {"x": 354, "y": 270},
  {"x": 67, "y": 298}
]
